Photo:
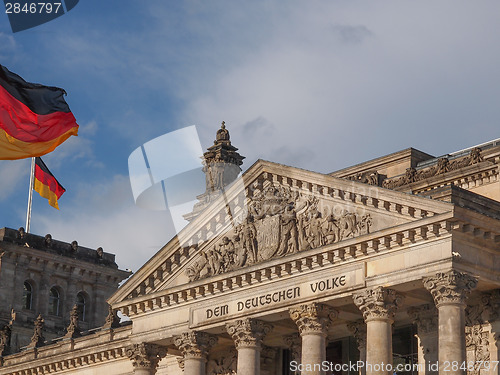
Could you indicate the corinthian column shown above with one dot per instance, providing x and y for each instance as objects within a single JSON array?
[
  {"x": 378, "y": 306},
  {"x": 194, "y": 347},
  {"x": 248, "y": 335},
  {"x": 450, "y": 291},
  {"x": 313, "y": 321},
  {"x": 426, "y": 319},
  {"x": 145, "y": 357}
]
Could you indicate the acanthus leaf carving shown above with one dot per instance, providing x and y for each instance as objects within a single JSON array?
[
  {"x": 223, "y": 363},
  {"x": 378, "y": 303},
  {"x": 194, "y": 344},
  {"x": 145, "y": 355},
  {"x": 313, "y": 318},
  {"x": 450, "y": 287},
  {"x": 278, "y": 221},
  {"x": 248, "y": 332}
]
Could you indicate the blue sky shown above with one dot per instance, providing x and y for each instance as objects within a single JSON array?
[{"x": 316, "y": 84}]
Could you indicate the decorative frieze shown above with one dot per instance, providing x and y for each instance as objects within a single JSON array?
[
  {"x": 450, "y": 287},
  {"x": 195, "y": 344},
  {"x": 145, "y": 355},
  {"x": 378, "y": 303},
  {"x": 248, "y": 332},
  {"x": 313, "y": 318},
  {"x": 443, "y": 165}
]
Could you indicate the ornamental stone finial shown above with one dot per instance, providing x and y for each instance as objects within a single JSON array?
[
  {"x": 145, "y": 355},
  {"x": 248, "y": 332},
  {"x": 194, "y": 344},
  {"x": 450, "y": 287},
  {"x": 378, "y": 303},
  {"x": 313, "y": 318},
  {"x": 112, "y": 320},
  {"x": 37, "y": 339},
  {"x": 73, "y": 329}
]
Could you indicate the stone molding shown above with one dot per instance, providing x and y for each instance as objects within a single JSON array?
[
  {"x": 450, "y": 287},
  {"x": 313, "y": 318},
  {"x": 248, "y": 332},
  {"x": 378, "y": 303},
  {"x": 425, "y": 317},
  {"x": 195, "y": 344},
  {"x": 145, "y": 355},
  {"x": 358, "y": 330}
]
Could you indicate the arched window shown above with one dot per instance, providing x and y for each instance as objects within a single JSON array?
[
  {"x": 27, "y": 296},
  {"x": 54, "y": 301},
  {"x": 81, "y": 304}
]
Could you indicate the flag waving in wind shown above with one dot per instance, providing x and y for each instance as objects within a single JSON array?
[
  {"x": 46, "y": 184},
  {"x": 34, "y": 119}
]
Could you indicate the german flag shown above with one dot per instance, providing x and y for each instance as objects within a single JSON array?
[
  {"x": 34, "y": 119},
  {"x": 46, "y": 184}
]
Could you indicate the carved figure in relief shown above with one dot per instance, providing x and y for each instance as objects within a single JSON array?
[
  {"x": 278, "y": 221},
  {"x": 289, "y": 234},
  {"x": 248, "y": 236}
]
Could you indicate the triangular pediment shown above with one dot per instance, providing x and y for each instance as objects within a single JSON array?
[{"x": 272, "y": 212}]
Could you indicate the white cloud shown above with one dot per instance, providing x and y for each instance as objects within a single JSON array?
[{"x": 15, "y": 175}]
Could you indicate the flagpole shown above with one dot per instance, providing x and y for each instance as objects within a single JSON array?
[{"x": 30, "y": 195}]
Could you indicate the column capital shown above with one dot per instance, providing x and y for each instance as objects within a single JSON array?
[
  {"x": 145, "y": 355},
  {"x": 313, "y": 318},
  {"x": 425, "y": 317},
  {"x": 378, "y": 303},
  {"x": 248, "y": 332},
  {"x": 195, "y": 344},
  {"x": 450, "y": 287},
  {"x": 358, "y": 330}
]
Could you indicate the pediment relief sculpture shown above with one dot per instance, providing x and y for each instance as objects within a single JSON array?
[{"x": 278, "y": 221}]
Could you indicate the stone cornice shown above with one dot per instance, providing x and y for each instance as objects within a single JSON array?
[
  {"x": 170, "y": 257},
  {"x": 360, "y": 248},
  {"x": 86, "y": 351}
]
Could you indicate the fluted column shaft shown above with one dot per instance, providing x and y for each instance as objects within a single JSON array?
[
  {"x": 248, "y": 335},
  {"x": 194, "y": 347},
  {"x": 450, "y": 291},
  {"x": 313, "y": 321},
  {"x": 378, "y": 306}
]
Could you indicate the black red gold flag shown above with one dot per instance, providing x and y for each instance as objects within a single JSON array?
[
  {"x": 46, "y": 184},
  {"x": 34, "y": 119}
]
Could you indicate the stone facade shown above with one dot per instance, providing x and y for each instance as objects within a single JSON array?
[
  {"x": 45, "y": 278},
  {"x": 293, "y": 271}
]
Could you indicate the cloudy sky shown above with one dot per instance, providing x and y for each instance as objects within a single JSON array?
[{"x": 316, "y": 84}]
